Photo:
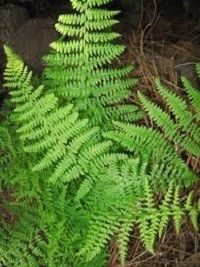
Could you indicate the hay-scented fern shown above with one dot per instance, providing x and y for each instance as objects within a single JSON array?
[
  {"x": 51, "y": 223},
  {"x": 85, "y": 189},
  {"x": 175, "y": 137},
  {"x": 60, "y": 140},
  {"x": 69, "y": 154},
  {"x": 81, "y": 69},
  {"x": 116, "y": 216}
]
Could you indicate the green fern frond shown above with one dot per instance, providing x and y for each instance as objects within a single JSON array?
[
  {"x": 177, "y": 213},
  {"x": 165, "y": 211},
  {"x": 177, "y": 105},
  {"x": 183, "y": 130},
  {"x": 192, "y": 211},
  {"x": 193, "y": 94},
  {"x": 150, "y": 144},
  {"x": 123, "y": 238},
  {"x": 118, "y": 203},
  {"x": 56, "y": 135},
  {"x": 170, "y": 128},
  {"x": 163, "y": 147},
  {"x": 83, "y": 68},
  {"x": 148, "y": 219}
]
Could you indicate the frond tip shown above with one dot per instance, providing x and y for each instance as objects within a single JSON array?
[{"x": 83, "y": 65}]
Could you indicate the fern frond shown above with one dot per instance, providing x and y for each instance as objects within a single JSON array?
[
  {"x": 165, "y": 211},
  {"x": 148, "y": 219},
  {"x": 177, "y": 213},
  {"x": 193, "y": 94},
  {"x": 84, "y": 188},
  {"x": 62, "y": 142},
  {"x": 183, "y": 130},
  {"x": 192, "y": 211},
  {"x": 150, "y": 144},
  {"x": 123, "y": 237},
  {"x": 83, "y": 65}
]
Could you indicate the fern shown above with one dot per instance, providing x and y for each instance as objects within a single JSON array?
[
  {"x": 79, "y": 70},
  {"x": 77, "y": 187},
  {"x": 47, "y": 233},
  {"x": 151, "y": 217},
  {"x": 193, "y": 94},
  {"x": 177, "y": 133},
  {"x": 148, "y": 219},
  {"x": 114, "y": 208},
  {"x": 68, "y": 149},
  {"x": 165, "y": 210},
  {"x": 192, "y": 210},
  {"x": 160, "y": 214},
  {"x": 184, "y": 131},
  {"x": 176, "y": 212},
  {"x": 61, "y": 141},
  {"x": 151, "y": 145},
  {"x": 123, "y": 237}
]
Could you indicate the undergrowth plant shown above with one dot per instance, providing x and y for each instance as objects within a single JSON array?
[
  {"x": 174, "y": 137},
  {"x": 63, "y": 152},
  {"x": 80, "y": 175},
  {"x": 81, "y": 68},
  {"x": 164, "y": 149}
]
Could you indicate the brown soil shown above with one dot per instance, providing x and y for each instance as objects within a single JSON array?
[
  {"x": 172, "y": 251},
  {"x": 5, "y": 214}
]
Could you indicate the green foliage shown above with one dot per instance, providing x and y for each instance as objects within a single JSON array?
[
  {"x": 7, "y": 151},
  {"x": 47, "y": 232},
  {"x": 183, "y": 130},
  {"x": 152, "y": 218},
  {"x": 193, "y": 94},
  {"x": 79, "y": 68},
  {"x": 176, "y": 133},
  {"x": 152, "y": 146},
  {"x": 61, "y": 141},
  {"x": 77, "y": 187},
  {"x": 65, "y": 153}
]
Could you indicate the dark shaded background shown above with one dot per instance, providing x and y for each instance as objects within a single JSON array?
[
  {"x": 23, "y": 22},
  {"x": 28, "y": 25},
  {"x": 35, "y": 7}
]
